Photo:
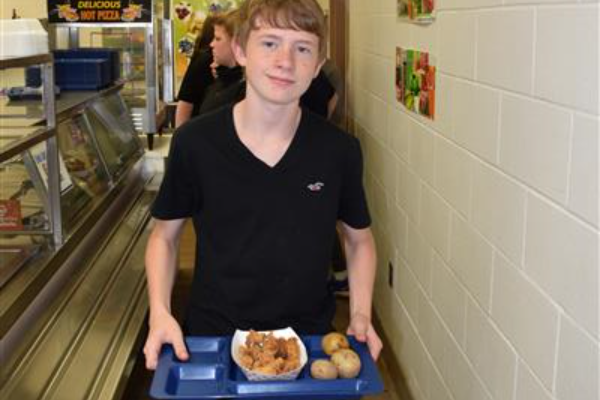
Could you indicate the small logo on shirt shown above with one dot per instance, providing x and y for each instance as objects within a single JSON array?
[{"x": 316, "y": 187}]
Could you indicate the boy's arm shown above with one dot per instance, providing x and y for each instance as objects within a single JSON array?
[
  {"x": 361, "y": 261},
  {"x": 161, "y": 269}
]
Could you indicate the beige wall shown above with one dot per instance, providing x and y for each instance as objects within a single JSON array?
[
  {"x": 489, "y": 213},
  {"x": 25, "y": 8}
]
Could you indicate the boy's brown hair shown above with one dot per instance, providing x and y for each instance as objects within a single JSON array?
[
  {"x": 300, "y": 15},
  {"x": 229, "y": 21}
]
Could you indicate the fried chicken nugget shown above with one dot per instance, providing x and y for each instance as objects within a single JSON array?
[
  {"x": 254, "y": 338},
  {"x": 269, "y": 369},
  {"x": 292, "y": 349},
  {"x": 266, "y": 354},
  {"x": 246, "y": 360}
]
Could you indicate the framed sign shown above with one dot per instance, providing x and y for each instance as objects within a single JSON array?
[{"x": 99, "y": 11}]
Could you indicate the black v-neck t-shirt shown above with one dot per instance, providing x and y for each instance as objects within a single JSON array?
[{"x": 264, "y": 234}]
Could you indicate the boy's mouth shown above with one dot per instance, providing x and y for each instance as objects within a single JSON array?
[{"x": 281, "y": 81}]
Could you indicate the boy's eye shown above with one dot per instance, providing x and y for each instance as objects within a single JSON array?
[
  {"x": 268, "y": 44},
  {"x": 304, "y": 50}
]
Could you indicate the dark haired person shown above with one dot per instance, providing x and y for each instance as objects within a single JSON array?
[{"x": 198, "y": 76}]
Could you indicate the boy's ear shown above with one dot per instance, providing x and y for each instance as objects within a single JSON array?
[{"x": 238, "y": 52}]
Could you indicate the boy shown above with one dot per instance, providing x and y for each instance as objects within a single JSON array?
[{"x": 265, "y": 183}]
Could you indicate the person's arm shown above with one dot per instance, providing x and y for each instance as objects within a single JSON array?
[
  {"x": 161, "y": 269},
  {"x": 331, "y": 105},
  {"x": 183, "y": 112},
  {"x": 361, "y": 261}
]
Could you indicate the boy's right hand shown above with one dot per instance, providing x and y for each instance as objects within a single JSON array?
[{"x": 163, "y": 329}]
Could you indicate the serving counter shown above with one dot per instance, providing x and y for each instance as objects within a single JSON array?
[{"x": 74, "y": 220}]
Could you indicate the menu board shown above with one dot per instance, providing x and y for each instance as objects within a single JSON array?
[{"x": 99, "y": 11}]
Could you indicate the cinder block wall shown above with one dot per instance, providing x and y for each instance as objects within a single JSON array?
[{"x": 489, "y": 214}]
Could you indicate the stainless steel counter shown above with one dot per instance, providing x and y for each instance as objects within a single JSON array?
[{"x": 88, "y": 318}]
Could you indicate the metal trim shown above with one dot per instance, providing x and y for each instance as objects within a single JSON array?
[
  {"x": 21, "y": 145},
  {"x": 20, "y": 62}
]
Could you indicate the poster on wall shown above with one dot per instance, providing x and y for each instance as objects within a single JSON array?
[
  {"x": 188, "y": 17},
  {"x": 99, "y": 11},
  {"x": 415, "y": 81},
  {"x": 419, "y": 11}
]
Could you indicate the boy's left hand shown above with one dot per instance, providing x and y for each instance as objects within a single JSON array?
[{"x": 362, "y": 329}]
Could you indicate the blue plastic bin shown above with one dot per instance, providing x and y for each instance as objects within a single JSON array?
[
  {"x": 211, "y": 373},
  {"x": 33, "y": 76},
  {"x": 82, "y": 74},
  {"x": 112, "y": 55}
]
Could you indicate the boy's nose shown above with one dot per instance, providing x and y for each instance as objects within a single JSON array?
[{"x": 285, "y": 57}]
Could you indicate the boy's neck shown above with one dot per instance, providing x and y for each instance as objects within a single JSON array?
[{"x": 259, "y": 118}]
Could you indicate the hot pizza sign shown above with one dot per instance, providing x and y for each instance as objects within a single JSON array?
[{"x": 99, "y": 11}]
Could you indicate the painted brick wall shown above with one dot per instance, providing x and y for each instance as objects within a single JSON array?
[{"x": 489, "y": 214}]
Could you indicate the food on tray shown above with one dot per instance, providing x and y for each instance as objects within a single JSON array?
[
  {"x": 334, "y": 341},
  {"x": 264, "y": 353},
  {"x": 347, "y": 363},
  {"x": 343, "y": 363},
  {"x": 323, "y": 369}
]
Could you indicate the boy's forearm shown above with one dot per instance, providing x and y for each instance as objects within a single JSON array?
[
  {"x": 161, "y": 269},
  {"x": 361, "y": 262}
]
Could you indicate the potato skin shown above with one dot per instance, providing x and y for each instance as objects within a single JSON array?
[
  {"x": 323, "y": 369},
  {"x": 347, "y": 363},
  {"x": 334, "y": 341}
]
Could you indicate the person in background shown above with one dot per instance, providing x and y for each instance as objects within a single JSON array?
[
  {"x": 321, "y": 97},
  {"x": 226, "y": 70},
  {"x": 198, "y": 76},
  {"x": 332, "y": 73},
  {"x": 265, "y": 183}
]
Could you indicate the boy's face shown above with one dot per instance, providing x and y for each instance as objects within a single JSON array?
[
  {"x": 221, "y": 48},
  {"x": 280, "y": 63}
]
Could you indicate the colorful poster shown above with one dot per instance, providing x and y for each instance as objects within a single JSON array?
[
  {"x": 415, "y": 81},
  {"x": 188, "y": 17},
  {"x": 99, "y": 11},
  {"x": 420, "y": 11}
]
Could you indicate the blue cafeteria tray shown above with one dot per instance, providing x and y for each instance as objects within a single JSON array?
[
  {"x": 112, "y": 55},
  {"x": 82, "y": 74},
  {"x": 211, "y": 373}
]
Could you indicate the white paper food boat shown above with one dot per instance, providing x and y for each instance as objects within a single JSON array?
[{"x": 239, "y": 339}]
